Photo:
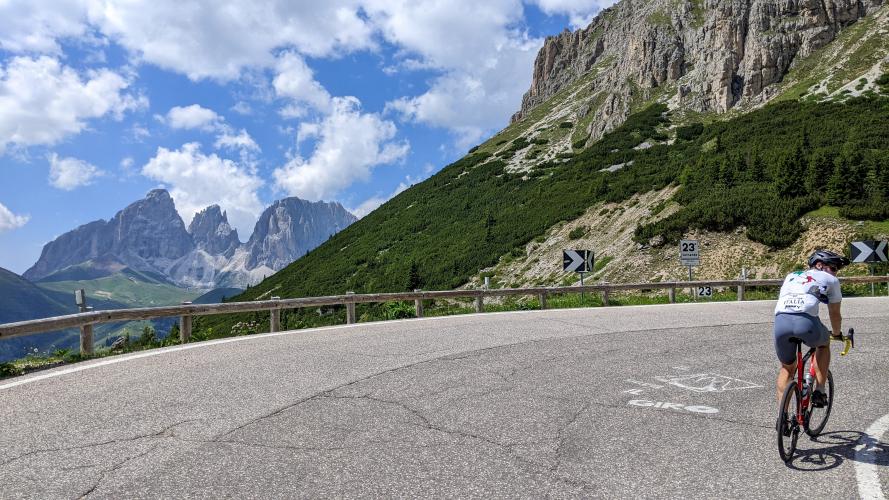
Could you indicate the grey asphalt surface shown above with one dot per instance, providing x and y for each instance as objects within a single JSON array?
[{"x": 529, "y": 404}]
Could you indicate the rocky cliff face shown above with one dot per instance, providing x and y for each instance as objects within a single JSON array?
[
  {"x": 211, "y": 232},
  {"x": 144, "y": 234},
  {"x": 700, "y": 55},
  {"x": 290, "y": 228},
  {"x": 149, "y": 235},
  {"x": 149, "y": 230}
]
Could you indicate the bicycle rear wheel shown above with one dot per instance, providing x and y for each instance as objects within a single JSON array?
[
  {"x": 816, "y": 418},
  {"x": 788, "y": 425}
]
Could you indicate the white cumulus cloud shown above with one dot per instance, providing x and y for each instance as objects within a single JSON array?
[
  {"x": 9, "y": 220},
  {"x": 295, "y": 81},
  {"x": 36, "y": 26},
  {"x": 197, "y": 180},
  {"x": 484, "y": 59},
  {"x": 349, "y": 145},
  {"x": 242, "y": 141},
  {"x": 43, "y": 101},
  {"x": 70, "y": 173},
  {"x": 193, "y": 117},
  {"x": 207, "y": 39}
]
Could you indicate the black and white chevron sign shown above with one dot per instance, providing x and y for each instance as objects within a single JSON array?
[
  {"x": 578, "y": 261},
  {"x": 869, "y": 251}
]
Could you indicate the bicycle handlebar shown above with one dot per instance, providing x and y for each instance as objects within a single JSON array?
[{"x": 847, "y": 340}]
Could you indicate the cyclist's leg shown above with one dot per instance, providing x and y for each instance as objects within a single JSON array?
[
  {"x": 785, "y": 349},
  {"x": 822, "y": 354},
  {"x": 785, "y": 375}
]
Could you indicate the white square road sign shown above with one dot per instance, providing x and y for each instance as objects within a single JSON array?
[{"x": 690, "y": 253}]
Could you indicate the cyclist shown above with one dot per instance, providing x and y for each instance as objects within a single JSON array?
[{"x": 796, "y": 317}]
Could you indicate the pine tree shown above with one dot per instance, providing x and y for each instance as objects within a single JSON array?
[
  {"x": 819, "y": 170},
  {"x": 756, "y": 168},
  {"x": 414, "y": 281},
  {"x": 788, "y": 178},
  {"x": 838, "y": 184}
]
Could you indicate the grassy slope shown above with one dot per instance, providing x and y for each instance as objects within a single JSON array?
[
  {"x": 120, "y": 288},
  {"x": 21, "y": 300}
]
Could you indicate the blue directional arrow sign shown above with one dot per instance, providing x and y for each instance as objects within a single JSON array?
[
  {"x": 869, "y": 251},
  {"x": 578, "y": 261}
]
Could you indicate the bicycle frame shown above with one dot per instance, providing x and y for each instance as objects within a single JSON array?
[{"x": 806, "y": 393}]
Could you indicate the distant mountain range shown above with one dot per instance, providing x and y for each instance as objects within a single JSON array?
[{"x": 150, "y": 237}]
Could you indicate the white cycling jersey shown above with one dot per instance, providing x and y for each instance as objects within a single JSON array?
[{"x": 802, "y": 291}]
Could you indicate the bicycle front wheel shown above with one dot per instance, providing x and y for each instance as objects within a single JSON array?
[
  {"x": 788, "y": 424},
  {"x": 816, "y": 418}
]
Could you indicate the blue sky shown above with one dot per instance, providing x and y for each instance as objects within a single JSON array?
[{"x": 240, "y": 105}]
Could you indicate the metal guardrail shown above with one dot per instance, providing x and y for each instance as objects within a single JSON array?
[{"x": 186, "y": 312}]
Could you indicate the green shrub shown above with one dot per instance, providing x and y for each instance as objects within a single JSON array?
[
  {"x": 874, "y": 211},
  {"x": 883, "y": 79},
  {"x": 577, "y": 233},
  {"x": 9, "y": 370},
  {"x": 399, "y": 310},
  {"x": 690, "y": 132},
  {"x": 566, "y": 125}
]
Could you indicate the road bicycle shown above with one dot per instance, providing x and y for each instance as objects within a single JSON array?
[{"x": 796, "y": 410}]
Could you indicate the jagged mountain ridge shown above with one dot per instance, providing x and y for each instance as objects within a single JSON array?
[
  {"x": 699, "y": 56},
  {"x": 149, "y": 235}
]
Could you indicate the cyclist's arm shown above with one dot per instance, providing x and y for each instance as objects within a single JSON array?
[{"x": 836, "y": 319}]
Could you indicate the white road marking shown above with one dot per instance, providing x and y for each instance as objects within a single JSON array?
[
  {"x": 869, "y": 487},
  {"x": 634, "y": 392},
  {"x": 645, "y": 384},
  {"x": 671, "y": 406},
  {"x": 708, "y": 382}
]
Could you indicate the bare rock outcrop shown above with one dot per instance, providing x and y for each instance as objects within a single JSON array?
[{"x": 707, "y": 55}]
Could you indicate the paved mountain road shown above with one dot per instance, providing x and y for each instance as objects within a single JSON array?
[{"x": 655, "y": 401}]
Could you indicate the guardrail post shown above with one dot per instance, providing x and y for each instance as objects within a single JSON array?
[
  {"x": 479, "y": 303},
  {"x": 350, "y": 310},
  {"x": 275, "y": 320},
  {"x": 86, "y": 340},
  {"x": 671, "y": 293},
  {"x": 604, "y": 297},
  {"x": 418, "y": 304},
  {"x": 542, "y": 298},
  {"x": 184, "y": 329},
  {"x": 740, "y": 292}
]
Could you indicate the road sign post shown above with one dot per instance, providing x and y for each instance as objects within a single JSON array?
[
  {"x": 578, "y": 261},
  {"x": 690, "y": 256}
]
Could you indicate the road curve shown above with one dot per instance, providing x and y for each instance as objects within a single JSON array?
[{"x": 655, "y": 401}]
